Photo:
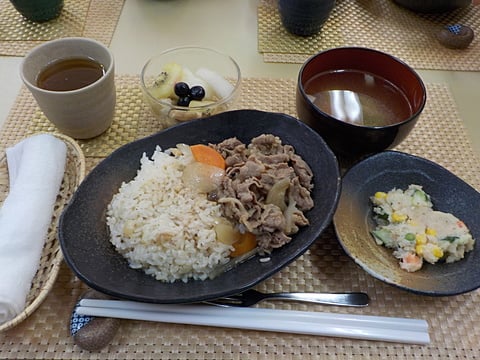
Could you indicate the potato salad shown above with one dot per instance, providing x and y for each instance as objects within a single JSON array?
[{"x": 408, "y": 224}]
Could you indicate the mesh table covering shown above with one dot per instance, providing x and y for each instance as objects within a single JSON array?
[
  {"x": 439, "y": 136},
  {"x": 96, "y": 19},
  {"x": 379, "y": 24}
]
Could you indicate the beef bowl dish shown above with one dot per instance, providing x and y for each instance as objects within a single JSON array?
[{"x": 201, "y": 210}]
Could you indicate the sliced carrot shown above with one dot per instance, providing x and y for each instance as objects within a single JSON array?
[
  {"x": 246, "y": 242},
  {"x": 207, "y": 155}
]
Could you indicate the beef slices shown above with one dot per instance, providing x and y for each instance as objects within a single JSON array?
[{"x": 266, "y": 189}]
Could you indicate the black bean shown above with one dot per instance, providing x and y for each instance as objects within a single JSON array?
[
  {"x": 184, "y": 101},
  {"x": 182, "y": 89},
  {"x": 197, "y": 92}
]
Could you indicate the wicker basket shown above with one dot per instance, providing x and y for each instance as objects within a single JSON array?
[{"x": 51, "y": 255}]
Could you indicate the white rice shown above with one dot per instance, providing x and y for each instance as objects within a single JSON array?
[{"x": 163, "y": 227}]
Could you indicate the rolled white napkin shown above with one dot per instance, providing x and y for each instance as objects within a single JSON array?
[{"x": 36, "y": 166}]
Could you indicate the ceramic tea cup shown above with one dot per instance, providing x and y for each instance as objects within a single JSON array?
[
  {"x": 39, "y": 10},
  {"x": 304, "y": 17},
  {"x": 55, "y": 73}
]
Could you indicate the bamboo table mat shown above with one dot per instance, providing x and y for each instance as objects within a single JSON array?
[
  {"x": 378, "y": 24},
  {"x": 96, "y": 19},
  {"x": 439, "y": 136}
]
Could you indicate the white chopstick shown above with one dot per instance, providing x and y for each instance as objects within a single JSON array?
[{"x": 366, "y": 327}]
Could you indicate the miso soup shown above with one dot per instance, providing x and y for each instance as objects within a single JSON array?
[{"x": 358, "y": 98}]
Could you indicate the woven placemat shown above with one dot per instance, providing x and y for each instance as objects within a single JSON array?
[
  {"x": 133, "y": 119},
  {"x": 94, "y": 19},
  {"x": 379, "y": 24},
  {"x": 439, "y": 136}
]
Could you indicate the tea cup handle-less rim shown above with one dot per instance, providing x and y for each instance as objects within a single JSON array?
[{"x": 81, "y": 113}]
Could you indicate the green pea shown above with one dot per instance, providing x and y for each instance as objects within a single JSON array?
[{"x": 410, "y": 236}]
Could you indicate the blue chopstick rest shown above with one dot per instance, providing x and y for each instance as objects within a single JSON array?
[
  {"x": 456, "y": 28},
  {"x": 78, "y": 321},
  {"x": 90, "y": 332},
  {"x": 455, "y": 36}
]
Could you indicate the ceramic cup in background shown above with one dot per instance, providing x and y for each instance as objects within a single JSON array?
[
  {"x": 82, "y": 113},
  {"x": 38, "y": 10},
  {"x": 304, "y": 17}
]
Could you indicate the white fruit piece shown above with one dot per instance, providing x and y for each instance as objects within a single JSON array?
[
  {"x": 192, "y": 80},
  {"x": 163, "y": 86},
  {"x": 217, "y": 82}
]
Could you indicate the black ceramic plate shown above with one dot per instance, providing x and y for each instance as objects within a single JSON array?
[
  {"x": 84, "y": 236},
  {"x": 353, "y": 221}
]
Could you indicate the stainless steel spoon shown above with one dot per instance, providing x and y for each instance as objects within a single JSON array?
[{"x": 252, "y": 297}]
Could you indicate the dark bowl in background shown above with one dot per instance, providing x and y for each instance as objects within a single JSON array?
[
  {"x": 432, "y": 6},
  {"x": 304, "y": 17},
  {"x": 351, "y": 142},
  {"x": 39, "y": 10}
]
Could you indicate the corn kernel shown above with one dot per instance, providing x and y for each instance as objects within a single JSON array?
[
  {"x": 421, "y": 239},
  {"x": 380, "y": 195},
  {"x": 419, "y": 249},
  {"x": 396, "y": 217},
  {"x": 437, "y": 252},
  {"x": 430, "y": 231}
]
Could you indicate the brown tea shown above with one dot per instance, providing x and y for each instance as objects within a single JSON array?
[
  {"x": 358, "y": 98},
  {"x": 70, "y": 74}
]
